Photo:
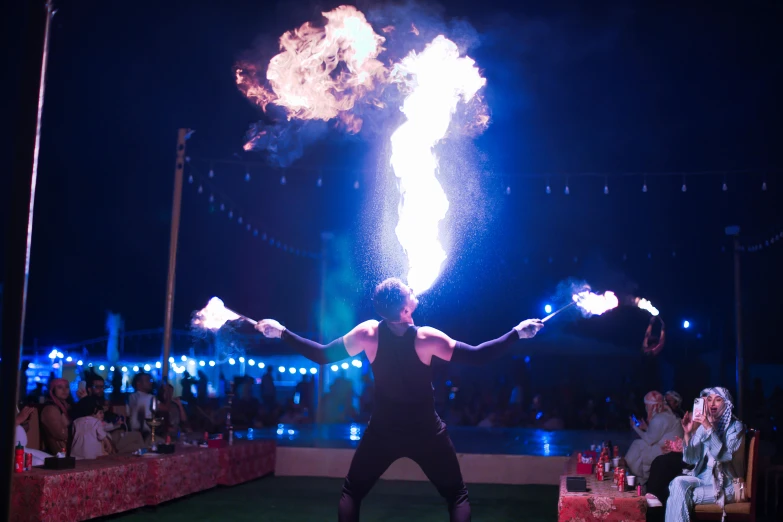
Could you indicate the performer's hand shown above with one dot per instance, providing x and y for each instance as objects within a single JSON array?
[
  {"x": 270, "y": 328},
  {"x": 528, "y": 328}
]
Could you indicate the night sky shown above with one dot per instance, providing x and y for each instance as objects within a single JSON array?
[{"x": 572, "y": 88}]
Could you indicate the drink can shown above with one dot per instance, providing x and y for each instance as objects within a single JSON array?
[
  {"x": 616, "y": 451},
  {"x": 28, "y": 461}
]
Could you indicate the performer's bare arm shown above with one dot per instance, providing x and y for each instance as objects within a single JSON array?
[
  {"x": 431, "y": 342},
  {"x": 353, "y": 343}
]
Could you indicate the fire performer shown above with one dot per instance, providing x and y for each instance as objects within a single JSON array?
[
  {"x": 653, "y": 345},
  {"x": 404, "y": 422}
]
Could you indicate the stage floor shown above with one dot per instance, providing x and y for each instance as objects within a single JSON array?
[
  {"x": 509, "y": 456},
  {"x": 485, "y": 441}
]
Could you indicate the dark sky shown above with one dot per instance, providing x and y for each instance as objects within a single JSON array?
[{"x": 572, "y": 88}]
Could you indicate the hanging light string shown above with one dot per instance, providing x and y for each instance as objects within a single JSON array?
[
  {"x": 204, "y": 186},
  {"x": 757, "y": 246}
]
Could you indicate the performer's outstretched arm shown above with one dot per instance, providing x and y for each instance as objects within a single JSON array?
[
  {"x": 341, "y": 348},
  {"x": 440, "y": 345}
]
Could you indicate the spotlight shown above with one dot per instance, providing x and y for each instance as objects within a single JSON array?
[{"x": 686, "y": 324}]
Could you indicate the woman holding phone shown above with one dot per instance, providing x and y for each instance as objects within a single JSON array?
[{"x": 713, "y": 442}]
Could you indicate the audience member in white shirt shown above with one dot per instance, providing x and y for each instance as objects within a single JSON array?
[
  {"x": 140, "y": 403},
  {"x": 90, "y": 440}
]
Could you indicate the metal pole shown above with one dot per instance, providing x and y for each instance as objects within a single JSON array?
[
  {"x": 326, "y": 239},
  {"x": 734, "y": 232},
  {"x": 176, "y": 210},
  {"x": 34, "y": 43},
  {"x": 738, "y": 328}
]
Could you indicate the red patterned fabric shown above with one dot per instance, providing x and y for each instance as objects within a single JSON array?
[
  {"x": 246, "y": 460},
  {"x": 602, "y": 502},
  {"x": 187, "y": 471},
  {"x": 94, "y": 488}
]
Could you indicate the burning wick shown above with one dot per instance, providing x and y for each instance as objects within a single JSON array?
[
  {"x": 595, "y": 304},
  {"x": 215, "y": 315},
  {"x": 644, "y": 304},
  {"x": 550, "y": 316}
]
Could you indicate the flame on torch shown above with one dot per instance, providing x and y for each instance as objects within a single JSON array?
[
  {"x": 437, "y": 79},
  {"x": 595, "y": 304},
  {"x": 215, "y": 315},
  {"x": 644, "y": 304}
]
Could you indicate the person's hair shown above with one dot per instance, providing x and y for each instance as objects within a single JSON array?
[
  {"x": 137, "y": 377},
  {"x": 89, "y": 405},
  {"x": 389, "y": 298},
  {"x": 92, "y": 378}
]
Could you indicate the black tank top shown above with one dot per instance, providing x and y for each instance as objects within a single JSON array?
[{"x": 404, "y": 395}]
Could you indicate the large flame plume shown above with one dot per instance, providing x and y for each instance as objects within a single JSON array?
[
  {"x": 595, "y": 304},
  {"x": 320, "y": 72},
  {"x": 438, "y": 78}
]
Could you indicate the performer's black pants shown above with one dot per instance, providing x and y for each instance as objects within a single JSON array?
[{"x": 432, "y": 451}]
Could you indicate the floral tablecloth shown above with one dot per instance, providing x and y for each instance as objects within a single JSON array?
[
  {"x": 187, "y": 471},
  {"x": 94, "y": 488},
  {"x": 246, "y": 460},
  {"x": 602, "y": 501}
]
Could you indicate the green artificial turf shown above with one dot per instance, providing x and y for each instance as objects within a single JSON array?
[{"x": 295, "y": 499}]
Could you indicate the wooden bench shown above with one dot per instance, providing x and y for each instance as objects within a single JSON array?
[{"x": 745, "y": 511}]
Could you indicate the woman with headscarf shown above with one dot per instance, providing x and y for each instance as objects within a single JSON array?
[
  {"x": 713, "y": 443},
  {"x": 661, "y": 425},
  {"x": 54, "y": 416}
]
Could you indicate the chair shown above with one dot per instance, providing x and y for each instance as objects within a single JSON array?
[{"x": 745, "y": 511}]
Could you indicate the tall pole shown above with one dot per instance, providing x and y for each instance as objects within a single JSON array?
[
  {"x": 176, "y": 210},
  {"x": 326, "y": 240},
  {"x": 739, "y": 350},
  {"x": 34, "y": 35}
]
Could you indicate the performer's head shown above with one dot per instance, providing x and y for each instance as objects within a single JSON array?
[{"x": 394, "y": 300}]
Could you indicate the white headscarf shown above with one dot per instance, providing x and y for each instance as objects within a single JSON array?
[{"x": 723, "y": 418}]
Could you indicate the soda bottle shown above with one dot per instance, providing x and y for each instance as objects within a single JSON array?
[{"x": 19, "y": 458}]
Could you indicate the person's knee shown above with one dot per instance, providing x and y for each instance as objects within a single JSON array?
[
  {"x": 679, "y": 485},
  {"x": 455, "y": 494}
]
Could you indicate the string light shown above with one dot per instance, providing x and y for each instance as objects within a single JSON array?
[
  {"x": 282, "y": 180},
  {"x": 319, "y": 182},
  {"x": 566, "y": 190},
  {"x": 508, "y": 190},
  {"x": 684, "y": 186},
  {"x": 247, "y": 176},
  {"x": 606, "y": 186},
  {"x": 644, "y": 187},
  {"x": 211, "y": 173},
  {"x": 356, "y": 185}
]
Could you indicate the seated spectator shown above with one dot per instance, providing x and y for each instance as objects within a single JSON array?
[
  {"x": 140, "y": 403},
  {"x": 171, "y": 410},
  {"x": 22, "y": 418},
  {"x": 674, "y": 400},
  {"x": 90, "y": 440},
  {"x": 663, "y": 426},
  {"x": 54, "y": 417},
  {"x": 714, "y": 444}
]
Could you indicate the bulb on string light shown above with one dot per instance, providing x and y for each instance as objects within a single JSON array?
[
  {"x": 247, "y": 176},
  {"x": 211, "y": 198},
  {"x": 644, "y": 187},
  {"x": 222, "y": 206},
  {"x": 200, "y": 189},
  {"x": 282, "y": 180},
  {"x": 255, "y": 232},
  {"x": 356, "y": 184},
  {"x": 190, "y": 178},
  {"x": 684, "y": 186},
  {"x": 566, "y": 190},
  {"x": 248, "y": 227},
  {"x": 230, "y": 214},
  {"x": 764, "y": 186},
  {"x": 319, "y": 182},
  {"x": 239, "y": 220},
  {"x": 211, "y": 173},
  {"x": 606, "y": 189},
  {"x": 508, "y": 191},
  {"x": 548, "y": 189},
  {"x": 725, "y": 187}
]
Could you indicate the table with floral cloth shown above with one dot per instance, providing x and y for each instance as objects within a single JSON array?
[
  {"x": 189, "y": 470},
  {"x": 93, "y": 488},
  {"x": 602, "y": 501},
  {"x": 246, "y": 460}
]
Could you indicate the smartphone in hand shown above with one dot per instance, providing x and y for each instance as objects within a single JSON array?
[
  {"x": 698, "y": 407},
  {"x": 635, "y": 420}
]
